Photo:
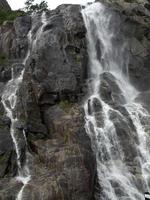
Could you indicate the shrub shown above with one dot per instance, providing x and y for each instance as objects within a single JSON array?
[
  {"x": 9, "y": 15},
  {"x": 65, "y": 104},
  {"x": 30, "y": 6},
  {"x": 3, "y": 60}
]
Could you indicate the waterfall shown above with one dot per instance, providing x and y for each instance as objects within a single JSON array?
[
  {"x": 9, "y": 100},
  {"x": 114, "y": 120}
]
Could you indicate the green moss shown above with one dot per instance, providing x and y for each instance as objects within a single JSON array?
[
  {"x": 67, "y": 137},
  {"x": 78, "y": 59},
  {"x": 3, "y": 60},
  {"x": 9, "y": 15},
  {"x": 1, "y": 114},
  {"x": 3, "y": 158},
  {"x": 2, "y": 126},
  {"x": 65, "y": 104},
  {"x": 130, "y": 1},
  {"x": 72, "y": 150}
]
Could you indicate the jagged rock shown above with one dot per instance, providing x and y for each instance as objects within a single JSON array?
[
  {"x": 67, "y": 157},
  {"x": 61, "y": 160},
  {"x": 9, "y": 189},
  {"x": 13, "y": 40},
  {"x": 63, "y": 54},
  {"x": 134, "y": 22},
  {"x": 144, "y": 97},
  {"x": 54, "y": 75},
  {"x": 4, "y": 5},
  {"x": 110, "y": 91},
  {"x": 124, "y": 132}
]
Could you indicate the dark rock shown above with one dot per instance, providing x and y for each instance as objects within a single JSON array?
[
  {"x": 4, "y": 5},
  {"x": 5, "y": 74},
  {"x": 126, "y": 135},
  {"x": 55, "y": 73},
  {"x": 13, "y": 41},
  {"x": 94, "y": 106},
  {"x": 67, "y": 157},
  {"x": 53, "y": 125},
  {"x": 10, "y": 190},
  {"x": 16, "y": 70},
  {"x": 22, "y": 26},
  {"x": 144, "y": 98},
  {"x": 8, "y": 165},
  {"x": 110, "y": 91},
  {"x": 62, "y": 52}
]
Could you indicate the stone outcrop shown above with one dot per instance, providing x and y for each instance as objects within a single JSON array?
[
  {"x": 132, "y": 22},
  {"x": 4, "y": 5},
  {"x": 60, "y": 158}
]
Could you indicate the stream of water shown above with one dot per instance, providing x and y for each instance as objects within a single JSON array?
[
  {"x": 9, "y": 100},
  {"x": 117, "y": 130}
]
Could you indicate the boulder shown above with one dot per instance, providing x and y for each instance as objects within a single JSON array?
[{"x": 110, "y": 91}]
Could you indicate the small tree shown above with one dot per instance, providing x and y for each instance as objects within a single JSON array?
[{"x": 30, "y": 6}]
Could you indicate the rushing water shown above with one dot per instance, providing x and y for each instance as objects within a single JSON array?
[
  {"x": 115, "y": 123},
  {"x": 9, "y": 100}
]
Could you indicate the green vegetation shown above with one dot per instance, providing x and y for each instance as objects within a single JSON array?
[
  {"x": 30, "y": 6},
  {"x": 130, "y": 1},
  {"x": 67, "y": 136},
  {"x": 65, "y": 104},
  {"x": 9, "y": 15},
  {"x": 3, "y": 60}
]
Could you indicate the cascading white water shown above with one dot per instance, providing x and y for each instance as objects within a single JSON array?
[
  {"x": 9, "y": 100},
  {"x": 116, "y": 178}
]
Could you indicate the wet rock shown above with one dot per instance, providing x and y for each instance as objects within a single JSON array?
[
  {"x": 94, "y": 106},
  {"x": 22, "y": 26},
  {"x": 66, "y": 157},
  {"x": 110, "y": 91},
  {"x": 58, "y": 60},
  {"x": 56, "y": 72},
  {"x": 13, "y": 41},
  {"x": 8, "y": 165},
  {"x": 144, "y": 97},
  {"x": 31, "y": 119},
  {"x": 126, "y": 134},
  {"x": 16, "y": 70},
  {"x": 134, "y": 21},
  {"x": 11, "y": 189}
]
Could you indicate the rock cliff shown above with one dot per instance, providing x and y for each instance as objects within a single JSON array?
[
  {"x": 61, "y": 161},
  {"x": 49, "y": 99},
  {"x": 4, "y": 5}
]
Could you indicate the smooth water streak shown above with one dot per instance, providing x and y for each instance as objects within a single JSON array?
[{"x": 9, "y": 100}]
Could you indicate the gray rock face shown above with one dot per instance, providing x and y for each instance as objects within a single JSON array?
[
  {"x": 134, "y": 22},
  {"x": 4, "y": 5},
  {"x": 62, "y": 163},
  {"x": 13, "y": 40},
  {"x": 63, "y": 55},
  {"x": 110, "y": 91}
]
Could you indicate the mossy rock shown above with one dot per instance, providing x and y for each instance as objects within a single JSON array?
[
  {"x": 65, "y": 105},
  {"x": 3, "y": 60}
]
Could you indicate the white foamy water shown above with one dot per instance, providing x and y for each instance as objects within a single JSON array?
[
  {"x": 9, "y": 100},
  {"x": 123, "y": 166}
]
